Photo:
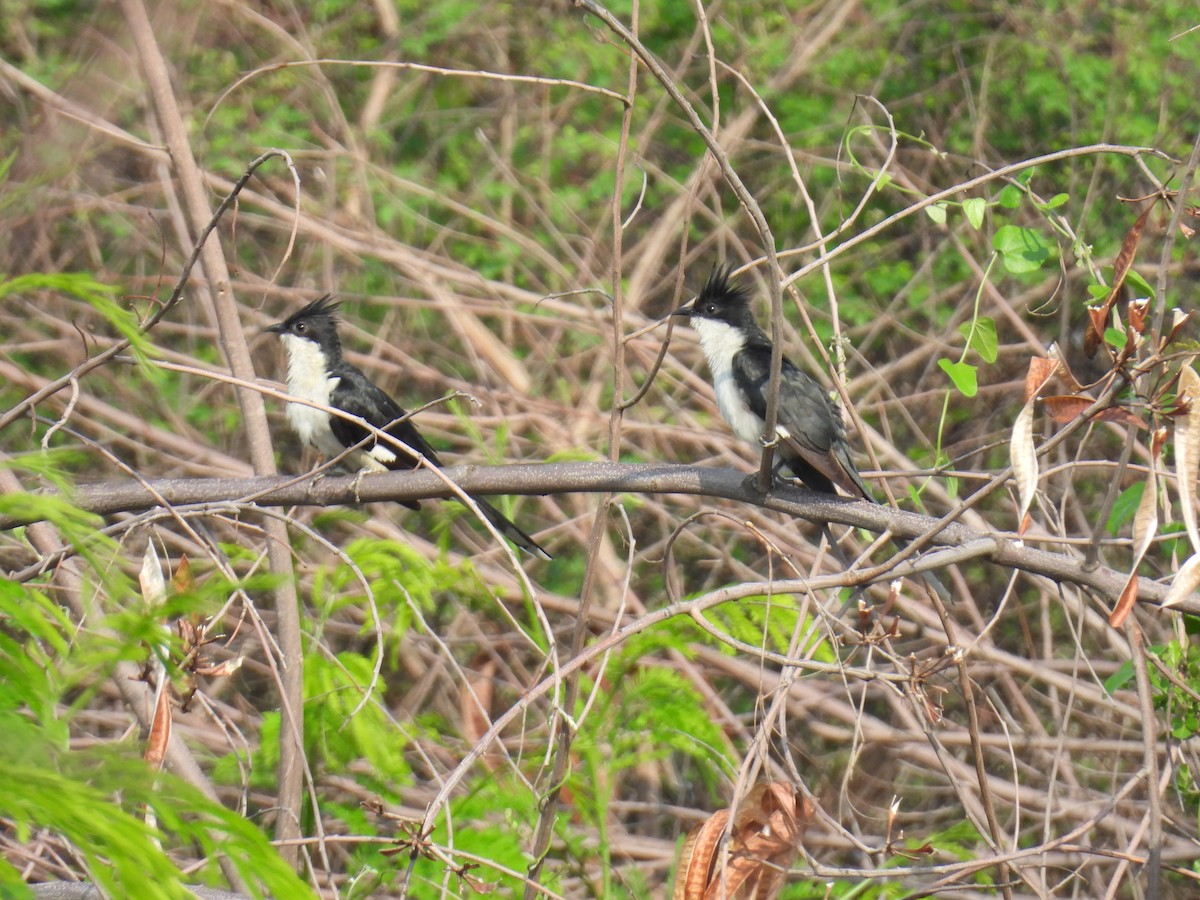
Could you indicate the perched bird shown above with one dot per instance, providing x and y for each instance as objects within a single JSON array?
[
  {"x": 318, "y": 373},
  {"x": 810, "y": 437}
]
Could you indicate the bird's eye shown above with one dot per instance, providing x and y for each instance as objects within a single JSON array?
[
  {"x": 301, "y": 328},
  {"x": 710, "y": 309}
]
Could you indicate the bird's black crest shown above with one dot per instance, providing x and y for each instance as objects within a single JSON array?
[
  {"x": 322, "y": 307},
  {"x": 723, "y": 287}
]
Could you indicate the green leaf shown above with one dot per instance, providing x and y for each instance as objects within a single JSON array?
[
  {"x": 1054, "y": 202},
  {"x": 1021, "y": 249},
  {"x": 1114, "y": 337},
  {"x": 1119, "y": 678},
  {"x": 1010, "y": 197},
  {"x": 1136, "y": 281},
  {"x": 975, "y": 207},
  {"x": 1124, "y": 507},
  {"x": 963, "y": 376},
  {"x": 937, "y": 212},
  {"x": 1098, "y": 291},
  {"x": 981, "y": 337}
]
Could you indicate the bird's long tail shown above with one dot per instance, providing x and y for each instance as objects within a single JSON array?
[{"x": 506, "y": 527}]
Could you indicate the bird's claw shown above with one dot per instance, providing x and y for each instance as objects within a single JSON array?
[
  {"x": 356, "y": 484},
  {"x": 314, "y": 478}
]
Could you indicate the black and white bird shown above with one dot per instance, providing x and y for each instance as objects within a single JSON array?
[
  {"x": 811, "y": 439},
  {"x": 318, "y": 373}
]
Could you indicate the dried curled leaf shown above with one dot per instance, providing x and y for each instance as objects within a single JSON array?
[
  {"x": 1145, "y": 527},
  {"x": 1187, "y": 449},
  {"x": 698, "y": 857},
  {"x": 160, "y": 727},
  {"x": 221, "y": 669},
  {"x": 1040, "y": 371},
  {"x": 1024, "y": 460},
  {"x": 1067, "y": 408},
  {"x": 764, "y": 840},
  {"x": 1063, "y": 370},
  {"x": 1093, "y": 338},
  {"x": 182, "y": 580},
  {"x": 1021, "y": 449},
  {"x": 1185, "y": 582},
  {"x": 1179, "y": 318},
  {"x": 1137, "y": 314}
]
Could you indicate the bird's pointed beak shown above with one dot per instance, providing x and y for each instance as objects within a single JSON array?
[
  {"x": 684, "y": 312},
  {"x": 277, "y": 328}
]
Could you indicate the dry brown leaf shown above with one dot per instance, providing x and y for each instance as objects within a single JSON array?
[
  {"x": 1040, "y": 371},
  {"x": 1124, "y": 603},
  {"x": 1064, "y": 371},
  {"x": 221, "y": 669},
  {"x": 1187, "y": 449},
  {"x": 1185, "y": 582},
  {"x": 1125, "y": 258},
  {"x": 478, "y": 885},
  {"x": 160, "y": 727},
  {"x": 1067, "y": 408},
  {"x": 740, "y": 879},
  {"x": 1145, "y": 527},
  {"x": 1137, "y": 314},
  {"x": 764, "y": 841},
  {"x": 698, "y": 857},
  {"x": 1093, "y": 338},
  {"x": 1179, "y": 318},
  {"x": 181, "y": 581}
]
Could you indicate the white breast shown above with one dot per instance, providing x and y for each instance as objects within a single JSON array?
[
  {"x": 309, "y": 380},
  {"x": 720, "y": 342}
]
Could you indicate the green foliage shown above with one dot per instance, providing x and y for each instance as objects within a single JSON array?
[
  {"x": 108, "y": 794},
  {"x": 84, "y": 286},
  {"x": 962, "y": 374},
  {"x": 1125, "y": 507},
  {"x": 398, "y": 581},
  {"x": 1180, "y": 660},
  {"x": 980, "y": 335},
  {"x": 345, "y": 719},
  {"x": 46, "y": 667},
  {"x": 1021, "y": 249}
]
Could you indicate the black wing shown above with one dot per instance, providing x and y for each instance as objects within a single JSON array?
[
  {"x": 357, "y": 395},
  {"x": 815, "y": 448}
]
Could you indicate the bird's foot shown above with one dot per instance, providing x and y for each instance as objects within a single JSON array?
[
  {"x": 356, "y": 484},
  {"x": 314, "y": 478}
]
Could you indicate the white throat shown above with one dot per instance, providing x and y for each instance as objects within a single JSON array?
[{"x": 720, "y": 342}]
